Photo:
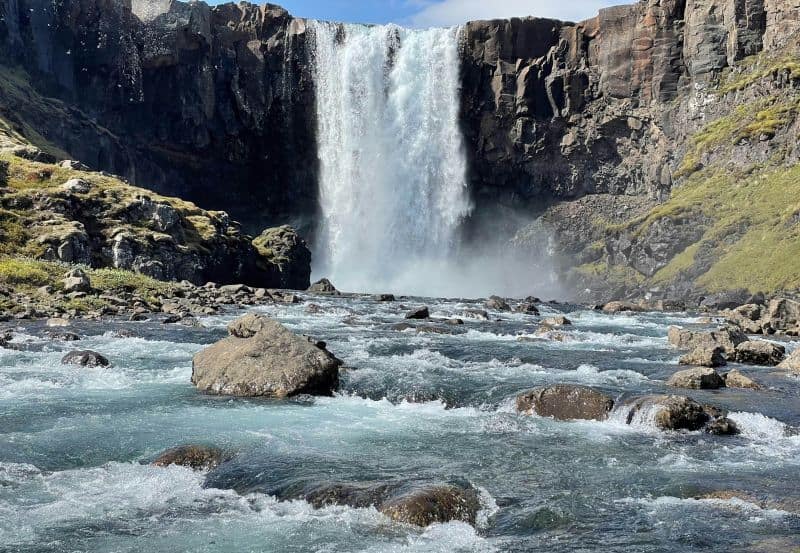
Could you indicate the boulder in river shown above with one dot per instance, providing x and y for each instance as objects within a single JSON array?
[
  {"x": 262, "y": 358},
  {"x": 433, "y": 504},
  {"x": 621, "y": 307},
  {"x": 760, "y": 352},
  {"x": 560, "y": 320},
  {"x": 727, "y": 338},
  {"x": 705, "y": 355},
  {"x": 737, "y": 379},
  {"x": 528, "y": 308},
  {"x": 85, "y": 358},
  {"x": 566, "y": 402},
  {"x": 497, "y": 303},
  {"x": 419, "y": 313},
  {"x": 792, "y": 363},
  {"x": 195, "y": 457},
  {"x": 323, "y": 286},
  {"x": 671, "y": 412},
  {"x": 698, "y": 378}
]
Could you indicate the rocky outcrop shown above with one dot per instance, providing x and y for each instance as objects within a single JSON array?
[
  {"x": 566, "y": 402},
  {"x": 792, "y": 362},
  {"x": 261, "y": 358},
  {"x": 98, "y": 220},
  {"x": 212, "y": 104}
]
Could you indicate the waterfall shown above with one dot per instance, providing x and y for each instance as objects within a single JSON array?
[{"x": 392, "y": 188}]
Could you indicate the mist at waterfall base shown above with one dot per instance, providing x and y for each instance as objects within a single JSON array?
[{"x": 393, "y": 171}]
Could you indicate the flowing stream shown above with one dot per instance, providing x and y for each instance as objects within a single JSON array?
[
  {"x": 413, "y": 406},
  {"x": 393, "y": 186}
]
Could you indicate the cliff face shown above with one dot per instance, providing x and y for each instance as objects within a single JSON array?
[
  {"x": 209, "y": 104},
  {"x": 579, "y": 122},
  {"x": 559, "y": 110}
]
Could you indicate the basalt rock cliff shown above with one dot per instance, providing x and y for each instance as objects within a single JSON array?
[{"x": 618, "y": 132}]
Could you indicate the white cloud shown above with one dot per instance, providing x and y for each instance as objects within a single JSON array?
[{"x": 454, "y": 12}]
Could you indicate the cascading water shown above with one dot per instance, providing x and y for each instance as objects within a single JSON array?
[{"x": 393, "y": 188}]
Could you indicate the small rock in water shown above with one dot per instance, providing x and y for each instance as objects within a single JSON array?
[
  {"x": 323, "y": 286},
  {"x": 760, "y": 352},
  {"x": 384, "y": 297},
  {"x": 792, "y": 363},
  {"x": 621, "y": 307},
  {"x": 723, "y": 426},
  {"x": 419, "y": 313},
  {"x": 85, "y": 358},
  {"x": 191, "y": 456},
  {"x": 62, "y": 335},
  {"x": 736, "y": 379},
  {"x": 566, "y": 402},
  {"x": 478, "y": 314},
  {"x": 705, "y": 355},
  {"x": 527, "y": 308},
  {"x": 700, "y": 378},
  {"x": 438, "y": 504},
  {"x": 676, "y": 413},
  {"x": 556, "y": 321},
  {"x": 497, "y": 304}
]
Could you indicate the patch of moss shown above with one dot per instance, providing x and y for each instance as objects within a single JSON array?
[
  {"x": 24, "y": 272},
  {"x": 118, "y": 280},
  {"x": 755, "y": 68},
  {"x": 680, "y": 263}
]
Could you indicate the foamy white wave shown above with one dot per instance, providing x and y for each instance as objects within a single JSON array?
[
  {"x": 760, "y": 427},
  {"x": 654, "y": 505}
]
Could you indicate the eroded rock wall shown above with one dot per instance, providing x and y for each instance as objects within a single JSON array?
[{"x": 208, "y": 103}]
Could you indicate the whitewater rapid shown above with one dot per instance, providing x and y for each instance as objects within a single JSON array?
[{"x": 393, "y": 189}]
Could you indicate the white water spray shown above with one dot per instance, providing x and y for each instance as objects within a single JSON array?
[{"x": 393, "y": 188}]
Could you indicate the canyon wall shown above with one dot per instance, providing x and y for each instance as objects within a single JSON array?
[{"x": 572, "y": 121}]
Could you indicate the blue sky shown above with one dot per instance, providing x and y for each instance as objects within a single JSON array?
[{"x": 423, "y": 13}]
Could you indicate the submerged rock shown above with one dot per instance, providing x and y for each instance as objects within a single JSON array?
[
  {"x": 760, "y": 352},
  {"x": 566, "y": 402},
  {"x": 195, "y": 457},
  {"x": 262, "y": 358},
  {"x": 699, "y": 378},
  {"x": 85, "y": 358},
  {"x": 705, "y": 356},
  {"x": 419, "y": 313},
  {"x": 436, "y": 504}
]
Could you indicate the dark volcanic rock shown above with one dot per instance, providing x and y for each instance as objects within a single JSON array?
[
  {"x": 419, "y": 313},
  {"x": 678, "y": 413},
  {"x": 287, "y": 256},
  {"x": 497, "y": 303},
  {"x": 85, "y": 358},
  {"x": 566, "y": 402},
  {"x": 263, "y": 358},
  {"x": 196, "y": 457}
]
